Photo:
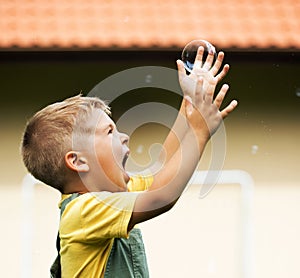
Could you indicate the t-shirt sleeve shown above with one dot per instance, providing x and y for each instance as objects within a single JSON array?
[
  {"x": 139, "y": 182},
  {"x": 99, "y": 216}
]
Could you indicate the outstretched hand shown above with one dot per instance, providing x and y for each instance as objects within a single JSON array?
[
  {"x": 204, "y": 114},
  {"x": 208, "y": 70},
  {"x": 203, "y": 111}
]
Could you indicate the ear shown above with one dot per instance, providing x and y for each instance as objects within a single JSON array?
[{"x": 76, "y": 162}]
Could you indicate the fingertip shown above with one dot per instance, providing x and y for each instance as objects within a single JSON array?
[
  {"x": 234, "y": 103},
  {"x": 226, "y": 87},
  {"x": 225, "y": 112},
  {"x": 180, "y": 65},
  {"x": 200, "y": 52},
  {"x": 221, "y": 54}
]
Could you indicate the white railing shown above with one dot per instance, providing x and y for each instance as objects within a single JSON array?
[{"x": 245, "y": 181}]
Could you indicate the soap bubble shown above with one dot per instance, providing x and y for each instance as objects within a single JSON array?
[
  {"x": 189, "y": 52},
  {"x": 254, "y": 149}
]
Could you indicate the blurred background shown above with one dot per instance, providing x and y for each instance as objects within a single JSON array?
[{"x": 53, "y": 49}]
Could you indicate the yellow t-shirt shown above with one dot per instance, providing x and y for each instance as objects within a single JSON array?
[{"x": 89, "y": 225}]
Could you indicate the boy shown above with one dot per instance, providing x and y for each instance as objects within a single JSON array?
[{"x": 75, "y": 147}]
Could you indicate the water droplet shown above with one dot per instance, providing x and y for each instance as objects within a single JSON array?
[
  {"x": 140, "y": 149},
  {"x": 148, "y": 78},
  {"x": 254, "y": 149}
]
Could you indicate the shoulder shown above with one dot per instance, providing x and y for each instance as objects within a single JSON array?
[
  {"x": 140, "y": 182},
  {"x": 100, "y": 202},
  {"x": 99, "y": 215}
]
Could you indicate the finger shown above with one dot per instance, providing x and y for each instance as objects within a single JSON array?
[
  {"x": 199, "y": 94},
  {"x": 182, "y": 76},
  {"x": 181, "y": 69},
  {"x": 223, "y": 73},
  {"x": 209, "y": 61},
  {"x": 209, "y": 90},
  {"x": 217, "y": 65},
  {"x": 199, "y": 57},
  {"x": 228, "y": 109},
  {"x": 221, "y": 95}
]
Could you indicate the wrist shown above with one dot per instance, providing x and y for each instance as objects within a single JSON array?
[{"x": 201, "y": 135}]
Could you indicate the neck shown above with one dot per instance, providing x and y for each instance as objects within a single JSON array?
[
  {"x": 86, "y": 184},
  {"x": 75, "y": 187}
]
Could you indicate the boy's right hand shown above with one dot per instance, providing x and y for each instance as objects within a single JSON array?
[{"x": 203, "y": 114}]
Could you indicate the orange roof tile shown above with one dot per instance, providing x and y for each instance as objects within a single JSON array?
[{"x": 153, "y": 23}]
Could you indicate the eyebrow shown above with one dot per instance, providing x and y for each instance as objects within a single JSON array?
[{"x": 106, "y": 127}]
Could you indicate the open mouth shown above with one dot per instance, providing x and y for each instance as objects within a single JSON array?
[{"x": 125, "y": 160}]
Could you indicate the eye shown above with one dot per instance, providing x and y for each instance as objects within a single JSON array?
[{"x": 110, "y": 130}]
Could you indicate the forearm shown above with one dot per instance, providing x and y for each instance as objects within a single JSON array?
[
  {"x": 172, "y": 141},
  {"x": 170, "y": 182},
  {"x": 175, "y": 136}
]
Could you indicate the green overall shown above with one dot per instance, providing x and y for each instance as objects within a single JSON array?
[{"x": 127, "y": 257}]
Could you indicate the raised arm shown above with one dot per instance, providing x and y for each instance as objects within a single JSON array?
[
  {"x": 212, "y": 75},
  {"x": 203, "y": 117}
]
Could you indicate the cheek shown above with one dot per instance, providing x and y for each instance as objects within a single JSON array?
[
  {"x": 117, "y": 149},
  {"x": 108, "y": 152},
  {"x": 106, "y": 157}
]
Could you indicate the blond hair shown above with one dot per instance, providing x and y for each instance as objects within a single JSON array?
[{"x": 48, "y": 137}]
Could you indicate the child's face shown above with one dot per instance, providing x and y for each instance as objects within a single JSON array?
[{"x": 111, "y": 149}]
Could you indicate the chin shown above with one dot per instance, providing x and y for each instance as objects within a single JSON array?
[{"x": 126, "y": 177}]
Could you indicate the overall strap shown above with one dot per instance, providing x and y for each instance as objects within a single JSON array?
[
  {"x": 127, "y": 257},
  {"x": 67, "y": 201},
  {"x": 55, "y": 270}
]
